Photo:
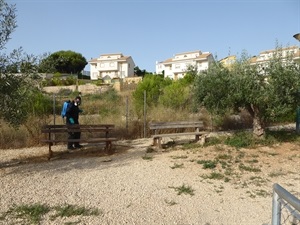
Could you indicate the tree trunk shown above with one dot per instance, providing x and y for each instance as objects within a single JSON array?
[{"x": 258, "y": 123}]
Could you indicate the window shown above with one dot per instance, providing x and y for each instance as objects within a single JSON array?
[{"x": 112, "y": 64}]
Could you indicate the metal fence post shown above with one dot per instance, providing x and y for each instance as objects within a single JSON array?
[
  {"x": 298, "y": 120},
  {"x": 276, "y": 206},
  {"x": 145, "y": 114},
  {"x": 54, "y": 113}
]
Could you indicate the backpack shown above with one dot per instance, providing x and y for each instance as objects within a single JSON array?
[{"x": 64, "y": 108}]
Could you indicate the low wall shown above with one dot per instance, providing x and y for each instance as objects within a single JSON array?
[
  {"x": 84, "y": 89},
  {"x": 94, "y": 89}
]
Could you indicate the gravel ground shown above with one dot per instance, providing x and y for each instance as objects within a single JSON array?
[{"x": 134, "y": 186}]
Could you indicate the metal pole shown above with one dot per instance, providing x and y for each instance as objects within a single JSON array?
[
  {"x": 145, "y": 104},
  {"x": 280, "y": 193},
  {"x": 276, "y": 209},
  {"x": 298, "y": 120},
  {"x": 297, "y": 37},
  {"x": 54, "y": 109},
  {"x": 127, "y": 113}
]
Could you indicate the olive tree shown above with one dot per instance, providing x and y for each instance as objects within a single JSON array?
[
  {"x": 17, "y": 71},
  {"x": 267, "y": 92}
]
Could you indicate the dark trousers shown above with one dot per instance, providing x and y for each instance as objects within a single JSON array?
[{"x": 73, "y": 135}]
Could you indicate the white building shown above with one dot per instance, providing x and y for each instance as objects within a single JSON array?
[
  {"x": 264, "y": 57},
  {"x": 176, "y": 67},
  {"x": 111, "y": 66}
]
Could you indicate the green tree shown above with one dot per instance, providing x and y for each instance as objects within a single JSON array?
[
  {"x": 139, "y": 72},
  {"x": 63, "y": 62},
  {"x": 190, "y": 75},
  {"x": 15, "y": 88},
  {"x": 175, "y": 95},
  {"x": 266, "y": 94},
  {"x": 8, "y": 22},
  {"x": 153, "y": 85}
]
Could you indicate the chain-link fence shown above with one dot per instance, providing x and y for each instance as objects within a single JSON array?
[{"x": 285, "y": 207}]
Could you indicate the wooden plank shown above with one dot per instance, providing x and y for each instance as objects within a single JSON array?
[
  {"x": 178, "y": 134},
  {"x": 91, "y": 140},
  {"x": 96, "y": 140},
  {"x": 175, "y": 124},
  {"x": 80, "y": 125},
  {"x": 86, "y": 129}
]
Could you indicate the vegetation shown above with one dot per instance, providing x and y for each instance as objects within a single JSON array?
[
  {"x": 153, "y": 86},
  {"x": 73, "y": 210},
  {"x": 69, "y": 62},
  {"x": 268, "y": 94},
  {"x": 147, "y": 157},
  {"x": 33, "y": 213},
  {"x": 183, "y": 189},
  {"x": 140, "y": 73},
  {"x": 165, "y": 92},
  {"x": 16, "y": 91},
  {"x": 176, "y": 165},
  {"x": 30, "y": 213}
]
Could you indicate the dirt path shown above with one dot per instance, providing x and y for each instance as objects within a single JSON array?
[{"x": 184, "y": 185}]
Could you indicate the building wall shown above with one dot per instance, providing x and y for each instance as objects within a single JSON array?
[
  {"x": 176, "y": 67},
  {"x": 112, "y": 65},
  {"x": 264, "y": 57}
]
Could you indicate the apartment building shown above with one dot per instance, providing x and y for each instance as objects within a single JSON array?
[
  {"x": 265, "y": 56},
  {"x": 110, "y": 66},
  {"x": 228, "y": 61},
  {"x": 175, "y": 67}
]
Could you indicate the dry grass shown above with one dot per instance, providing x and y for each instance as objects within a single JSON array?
[
  {"x": 111, "y": 109},
  {"x": 115, "y": 109}
]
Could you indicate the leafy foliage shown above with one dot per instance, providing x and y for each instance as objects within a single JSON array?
[
  {"x": 7, "y": 22},
  {"x": 63, "y": 62},
  {"x": 267, "y": 93},
  {"x": 153, "y": 85},
  {"x": 174, "y": 95},
  {"x": 18, "y": 75}
]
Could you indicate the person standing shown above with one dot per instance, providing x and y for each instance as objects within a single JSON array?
[{"x": 72, "y": 117}]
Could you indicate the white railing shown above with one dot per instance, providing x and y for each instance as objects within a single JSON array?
[{"x": 285, "y": 207}]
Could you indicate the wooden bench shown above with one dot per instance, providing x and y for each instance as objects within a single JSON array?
[
  {"x": 175, "y": 128},
  {"x": 89, "y": 134}
]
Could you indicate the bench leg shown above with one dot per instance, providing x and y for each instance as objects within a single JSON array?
[
  {"x": 109, "y": 148},
  {"x": 50, "y": 151},
  {"x": 157, "y": 142}
]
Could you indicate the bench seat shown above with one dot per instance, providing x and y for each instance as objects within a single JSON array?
[
  {"x": 175, "y": 128},
  {"x": 59, "y": 133}
]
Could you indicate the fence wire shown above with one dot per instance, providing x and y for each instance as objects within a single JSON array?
[
  {"x": 286, "y": 210},
  {"x": 289, "y": 215}
]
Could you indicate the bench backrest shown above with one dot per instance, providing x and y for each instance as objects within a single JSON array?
[
  {"x": 175, "y": 124},
  {"x": 76, "y": 127}
]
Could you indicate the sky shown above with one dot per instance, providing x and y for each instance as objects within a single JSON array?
[{"x": 154, "y": 30}]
